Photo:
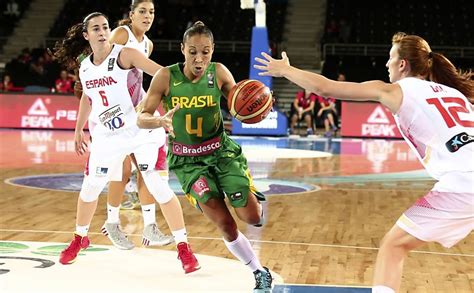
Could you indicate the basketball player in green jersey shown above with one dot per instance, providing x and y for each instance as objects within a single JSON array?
[{"x": 209, "y": 165}]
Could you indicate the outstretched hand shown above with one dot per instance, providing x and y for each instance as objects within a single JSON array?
[
  {"x": 166, "y": 120},
  {"x": 272, "y": 67}
]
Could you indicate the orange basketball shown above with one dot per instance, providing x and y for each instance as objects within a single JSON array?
[{"x": 250, "y": 101}]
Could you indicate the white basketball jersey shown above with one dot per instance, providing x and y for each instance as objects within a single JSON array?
[
  {"x": 135, "y": 79},
  {"x": 106, "y": 86},
  {"x": 438, "y": 123},
  {"x": 135, "y": 86},
  {"x": 134, "y": 43}
]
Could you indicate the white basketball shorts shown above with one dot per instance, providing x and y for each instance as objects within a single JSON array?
[{"x": 444, "y": 217}]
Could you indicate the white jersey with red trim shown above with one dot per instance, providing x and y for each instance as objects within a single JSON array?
[
  {"x": 135, "y": 79},
  {"x": 135, "y": 87},
  {"x": 437, "y": 122},
  {"x": 106, "y": 86},
  {"x": 132, "y": 42}
]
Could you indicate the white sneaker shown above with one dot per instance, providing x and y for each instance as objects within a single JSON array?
[
  {"x": 153, "y": 236},
  {"x": 116, "y": 236}
]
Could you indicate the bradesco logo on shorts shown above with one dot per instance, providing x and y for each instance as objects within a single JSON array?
[{"x": 201, "y": 149}]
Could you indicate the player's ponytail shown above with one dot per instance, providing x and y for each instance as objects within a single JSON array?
[
  {"x": 198, "y": 28},
  {"x": 67, "y": 50},
  {"x": 444, "y": 72},
  {"x": 432, "y": 66}
]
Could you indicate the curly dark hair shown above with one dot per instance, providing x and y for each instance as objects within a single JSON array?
[{"x": 68, "y": 50}]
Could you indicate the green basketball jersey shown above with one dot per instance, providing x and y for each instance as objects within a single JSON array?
[{"x": 199, "y": 117}]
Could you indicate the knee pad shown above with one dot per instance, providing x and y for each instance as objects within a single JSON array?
[
  {"x": 157, "y": 186},
  {"x": 91, "y": 188}
]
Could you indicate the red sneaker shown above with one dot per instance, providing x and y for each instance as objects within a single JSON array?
[
  {"x": 69, "y": 254},
  {"x": 189, "y": 261}
]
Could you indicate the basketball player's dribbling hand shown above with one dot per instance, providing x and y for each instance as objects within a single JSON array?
[
  {"x": 80, "y": 143},
  {"x": 272, "y": 67},
  {"x": 166, "y": 120}
]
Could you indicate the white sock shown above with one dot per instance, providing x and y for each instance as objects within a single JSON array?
[
  {"x": 382, "y": 289},
  {"x": 180, "y": 236},
  {"x": 242, "y": 250},
  {"x": 82, "y": 230},
  {"x": 149, "y": 216},
  {"x": 113, "y": 214}
]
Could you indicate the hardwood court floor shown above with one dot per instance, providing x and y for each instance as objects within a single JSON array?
[{"x": 320, "y": 237}]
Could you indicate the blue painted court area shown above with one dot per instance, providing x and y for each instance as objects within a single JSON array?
[
  {"x": 317, "y": 289},
  {"x": 73, "y": 182}
]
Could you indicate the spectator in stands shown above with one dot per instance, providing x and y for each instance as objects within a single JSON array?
[
  {"x": 341, "y": 76},
  {"x": 7, "y": 84},
  {"x": 64, "y": 84},
  {"x": 302, "y": 108},
  {"x": 12, "y": 9},
  {"x": 160, "y": 29},
  {"x": 25, "y": 56},
  {"x": 38, "y": 72},
  {"x": 327, "y": 112},
  {"x": 332, "y": 32},
  {"x": 344, "y": 31}
]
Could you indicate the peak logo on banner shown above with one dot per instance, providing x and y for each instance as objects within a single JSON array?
[
  {"x": 38, "y": 116},
  {"x": 378, "y": 116},
  {"x": 38, "y": 108},
  {"x": 378, "y": 124},
  {"x": 38, "y": 111},
  {"x": 367, "y": 120}
]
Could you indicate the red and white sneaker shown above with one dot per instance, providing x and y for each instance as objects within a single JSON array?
[
  {"x": 69, "y": 254},
  {"x": 186, "y": 255}
]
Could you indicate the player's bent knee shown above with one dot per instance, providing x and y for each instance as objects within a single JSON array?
[
  {"x": 91, "y": 188},
  {"x": 157, "y": 186},
  {"x": 251, "y": 219}
]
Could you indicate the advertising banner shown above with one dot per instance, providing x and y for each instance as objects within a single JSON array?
[
  {"x": 366, "y": 119},
  {"x": 38, "y": 111},
  {"x": 275, "y": 123}
]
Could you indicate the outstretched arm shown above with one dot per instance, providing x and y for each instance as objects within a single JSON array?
[
  {"x": 388, "y": 94},
  {"x": 159, "y": 87},
  {"x": 130, "y": 58}
]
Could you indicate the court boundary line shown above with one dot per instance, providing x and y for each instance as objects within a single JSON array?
[
  {"x": 252, "y": 240},
  {"x": 326, "y": 285}
]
